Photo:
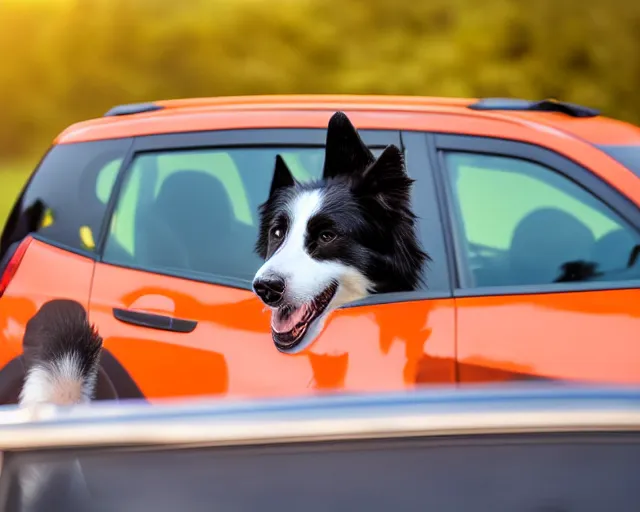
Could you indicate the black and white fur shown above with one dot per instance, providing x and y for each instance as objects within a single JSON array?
[
  {"x": 336, "y": 240},
  {"x": 62, "y": 354},
  {"x": 61, "y": 351}
]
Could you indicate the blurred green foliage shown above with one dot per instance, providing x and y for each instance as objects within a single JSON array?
[
  {"x": 12, "y": 179},
  {"x": 68, "y": 60}
]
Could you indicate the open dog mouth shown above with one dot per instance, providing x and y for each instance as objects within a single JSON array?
[{"x": 289, "y": 323}]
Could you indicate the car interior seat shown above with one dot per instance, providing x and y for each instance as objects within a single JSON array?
[
  {"x": 543, "y": 242},
  {"x": 613, "y": 250},
  {"x": 197, "y": 210},
  {"x": 156, "y": 245}
]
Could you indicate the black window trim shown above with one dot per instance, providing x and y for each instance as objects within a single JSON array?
[
  {"x": 563, "y": 165},
  {"x": 420, "y": 167},
  {"x": 446, "y": 220},
  {"x": 275, "y": 137},
  {"x": 263, "y": 137},
  {"x": 113, "y": 200}
]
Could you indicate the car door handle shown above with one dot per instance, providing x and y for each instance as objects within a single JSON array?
[{"x": 153, "y": 321}]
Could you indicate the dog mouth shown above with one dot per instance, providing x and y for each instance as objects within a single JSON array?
[{"x": 289, "y": 323}]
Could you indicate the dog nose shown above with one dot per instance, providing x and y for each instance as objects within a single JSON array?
[{"x": 270, "y": 290}]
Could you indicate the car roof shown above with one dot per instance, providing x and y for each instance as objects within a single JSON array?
[{"x": 457, "y": 115}]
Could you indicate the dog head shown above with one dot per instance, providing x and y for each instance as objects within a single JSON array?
[{"x": 336, "y": 240}]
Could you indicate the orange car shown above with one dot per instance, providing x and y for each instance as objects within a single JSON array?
[{"x": 530, "y": 212}]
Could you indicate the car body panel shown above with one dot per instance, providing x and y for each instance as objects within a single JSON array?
[
  {"x": 230, "y": 352},
  {"x": 45, "y": 273},
  {"x": 585, "y": 336},
  {"x": 554, "y": 330}
]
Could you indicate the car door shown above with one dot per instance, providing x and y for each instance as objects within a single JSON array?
[
  {"x": 172, "y": 293},
  {"x": 546, "y": 285}
]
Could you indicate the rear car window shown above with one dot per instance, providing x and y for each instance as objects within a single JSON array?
[
  {"x": 629, "y": 156},
  {"x": 194, "y": 212},
  {"x": 66, "y": 198}
]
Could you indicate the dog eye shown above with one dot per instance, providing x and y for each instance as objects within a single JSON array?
[
  {"x": 277, "y": 233},
  {"x": 327, "y": 236}
]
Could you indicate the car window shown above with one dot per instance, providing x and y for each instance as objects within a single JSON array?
[
  {"x": 106, "y": 180},
  {"x": 65, "y": 199},
  {"x": 520, "y": 223},
  {"x": 544, "y": 472},
  {"x": 195, "y": 211}
]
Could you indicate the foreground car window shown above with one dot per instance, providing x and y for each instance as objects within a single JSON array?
[
  {"x": 535, "y": 472},
  {"x": 194, "y": 212},
  {"x": 520, "y": 223}
]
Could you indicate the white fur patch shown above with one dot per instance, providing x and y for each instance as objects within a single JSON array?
[
  {"x": 58, "y": 382},
  {"x": 305, "y": 277}
]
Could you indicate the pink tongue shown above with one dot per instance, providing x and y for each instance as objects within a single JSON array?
[{"x": 279, "y": 324}]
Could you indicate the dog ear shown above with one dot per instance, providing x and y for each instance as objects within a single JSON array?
[
  {"x": 345, "y": 151},
  {"x": 386, "y": 177},
  {"x": 282, "y": 176}
]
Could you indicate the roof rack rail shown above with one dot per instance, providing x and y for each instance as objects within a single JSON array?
[
  {"x": 548, "y": 105},
  {"x": 132, "y": 108}
]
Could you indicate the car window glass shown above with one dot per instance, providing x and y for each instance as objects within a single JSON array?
[
  {"x": 195, "y": 211},
  {"x": 518, "y": 222},
  {"x": 65, "y": 200},
  {"x": 107, "y": 179},
  {"x": 582, "y": 471}
]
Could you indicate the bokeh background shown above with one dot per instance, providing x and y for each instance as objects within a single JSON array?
[{"x": 63, "y": 61}]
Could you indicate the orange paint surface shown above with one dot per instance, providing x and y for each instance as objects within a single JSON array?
[
  {"x": 230, "y": 352},
  {"x": 45, "y": 273},
  {"x": 588, "y": 336}
]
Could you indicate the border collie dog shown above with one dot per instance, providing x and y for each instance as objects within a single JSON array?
[{"x": 336, "y": 240}]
